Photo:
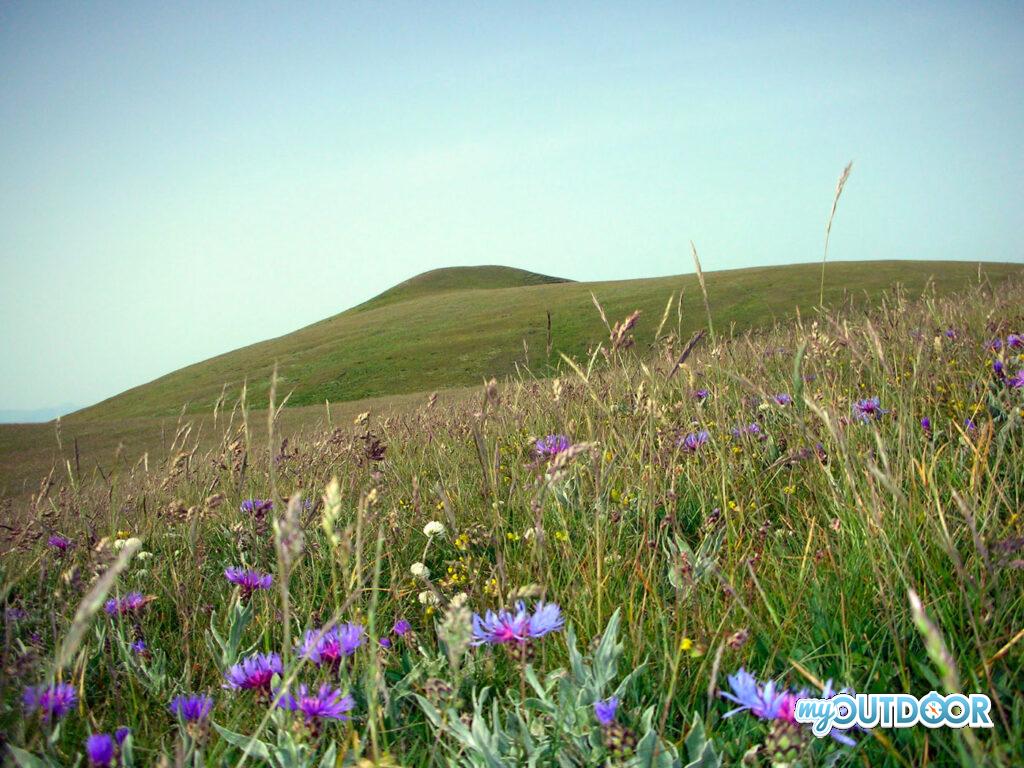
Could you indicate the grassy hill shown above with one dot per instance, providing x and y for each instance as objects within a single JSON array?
[{"x": 450, "y": 328}]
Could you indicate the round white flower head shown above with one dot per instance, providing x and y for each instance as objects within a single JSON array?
[
  {"x": 419, "y": 570},
  {"x": 458, "y": 600},
  {"x": 433, "y": 528},
  {"x": 427, "y": 597}
]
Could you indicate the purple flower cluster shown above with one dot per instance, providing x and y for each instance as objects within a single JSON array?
[
  {"x": 256, "y": 506},
  {"x": 784, "y": 399},
  {"x": 325, "y": 704},
  {"x": 102, "y": 749},
  {"x": 870, "y": 408},
  {"x": 253, "y": 672},
  {"x": 130, "y": 603},
  {"x": 605, "y": 710},
  {"x": 552, "y": 445},
  {"x": 248, "y": 580},
  {"x": 519, "y": 626},
  {"x": 192, "y": 708},
  {"x": 692, "y": 442},
  {"x": 701, "y": 395},
  {"x": 59, "y": 543},
  {"x": 770, "y": 702},
  {"x": 330, "y": 646},
  {"x": 50, "y": 701}
]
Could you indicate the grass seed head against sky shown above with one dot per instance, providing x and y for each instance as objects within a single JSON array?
[{"x": 180, "y": 180}]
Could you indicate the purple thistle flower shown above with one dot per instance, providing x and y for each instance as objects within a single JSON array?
[
  {"x": 59, "y": 543},
  {"x": 192, "y": 708},
  {"x": 402, "y": 628},
  {"x": 256, "y": 506},
  {"x": 870, "y": 408},
  {"x": 385, "y": 643},
  {"x": 100, "y": 749},
  {"x": 326, "y": 704},
  {"x": 604, "y": 710},
  {"x": 691, "y": 442},
  {"x": 253, "y": 672},
  {"x": 51, "y": 701},
  {"x": 518, "y": 627},
  {"x": 1015, "y": 341},
  {"x": 330, "y": 646},
  {"x": 248, "y": 580},
  {"x": 130, "y": 603},
  {"x": 552, "y": 445},
  {"x": 783, "y": 399},
  {"x": 763, "y": 701},
  {"x": 1017, "y": 380},
  {"x": 701, "y": 395}
]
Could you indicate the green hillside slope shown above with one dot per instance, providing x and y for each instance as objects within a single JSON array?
[{"x": 453, "y": 327}]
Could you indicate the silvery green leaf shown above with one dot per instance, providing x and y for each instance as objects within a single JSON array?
[{"x": 250, "y": 746}]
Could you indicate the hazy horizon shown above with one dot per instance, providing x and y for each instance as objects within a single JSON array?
[{"x": 182, "y": 181}]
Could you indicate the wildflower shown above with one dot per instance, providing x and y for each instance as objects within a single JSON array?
[
  {"x": 254, "y": 672},
  {"x": 1017, "y": 380},
  {"x": 763, "y": 701},
  {"x": 401, "y": 628},
  {"x": 870, "y": 408},
  {"x": 507, "y": 627},
  {"x": 604, "y": 710},
  {"x": 331, "y": 645},
  {"x": 59, "y": 543},
  {"x": 326, "y": 704},
  {"x": 256, "y": 506},
  {"x": 691, "y": 442},
  {"x": 130, "y": 603},
  {"x": 432, "y": 529},
  {"x": 753, "y": 429},
  {"x": 427, "y": 597},
  {"x": 701, "y": 395},
  {"x": 138, "y": 647},
  {"x": 552, "y": 445},
  {"x": 100, "y": 750},
  {"x": 783, "y": 399},
  {"x": 385, "y": 643},
  {"x": 121, "y": 734},
  {"x": 51, "y": 701},
  {"x": 248, "y": 580},
  {"x": 419, "y": 570},
  {"x": 1015, "y": 341},
  {"x": 926, "y": 425},
  {"x": 192, "y": 708},
  {"x": 998, "y": 369},
  {"x": 969, "y": 425}
]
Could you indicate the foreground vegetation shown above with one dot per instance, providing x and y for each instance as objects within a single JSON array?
[{"x": 668, "y": 513}]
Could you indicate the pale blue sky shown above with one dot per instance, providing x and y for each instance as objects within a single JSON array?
[{"x": 177, "y": 180}]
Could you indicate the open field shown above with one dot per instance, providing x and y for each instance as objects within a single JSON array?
[
  {"x": 444, "y": 330},
  {"x": 752, "y": 507}
]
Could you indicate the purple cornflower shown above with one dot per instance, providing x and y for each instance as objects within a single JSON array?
[
  {"x": 401, "y": 628},
  {"x": 1015, "y": 341},
  {"x": 508, "y": 627},
  {"x": 326, "y": 704},
  {"x": 385, "y": 643},
  {"x": 552, "y": 445},
  {"x": 763, "y": 701},
  {"x": 253, "y": 672},
  {"x": 51, "y": 701},
  {"x": 783, "y": 399},
  {"x": 701, "y": 395},
  {"x": 1017, "y": 380},
  {"x": 248, "y": 580},
  {"x": 130, "y": 603},
  {"x": 998, "y": 369},
  {"x": 604, "y": 710},
  {"x": 691, "y": 442},
  {"x": 950, "y": 333},
  {"x": 330, "y": 646},
  {"x": 121, "y": 734},
  {"x": 926, "y": 425},
  {"x": 100, "y": 749},
  {"x": 753, "y": 429},
  {"x": 256, "y": 506},
  {"x": 59, "y": 543},
  {"x": 192, "y": 708},
  {"x": 870, "y": 408},
  {"x": 138, "y": 646},
  {"x": 969, "y": 425}
]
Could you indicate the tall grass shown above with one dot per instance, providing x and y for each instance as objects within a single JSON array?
[{"x": 876, "y": 553}]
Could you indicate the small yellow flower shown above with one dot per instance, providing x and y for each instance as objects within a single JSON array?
[
  {"x": 686, "y": 645},
  {"x": 561, "y": 536}
]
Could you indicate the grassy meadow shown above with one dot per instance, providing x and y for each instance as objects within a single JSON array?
[{"x": 726, "y": 501}]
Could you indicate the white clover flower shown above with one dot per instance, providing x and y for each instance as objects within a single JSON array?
[
  {"x": 458, "y": 600},
  {"x": 120, "y": 544},
  {"x": 433, "y": 528},
  {"x": 419, "y": 570},
  {"x": 427, "y": 597},
  {"x": 143, "y": 555}
]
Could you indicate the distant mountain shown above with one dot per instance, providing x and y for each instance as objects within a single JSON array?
[
  {"x": 34, "y": 415},
  {"x": 453, "y": 327}
]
